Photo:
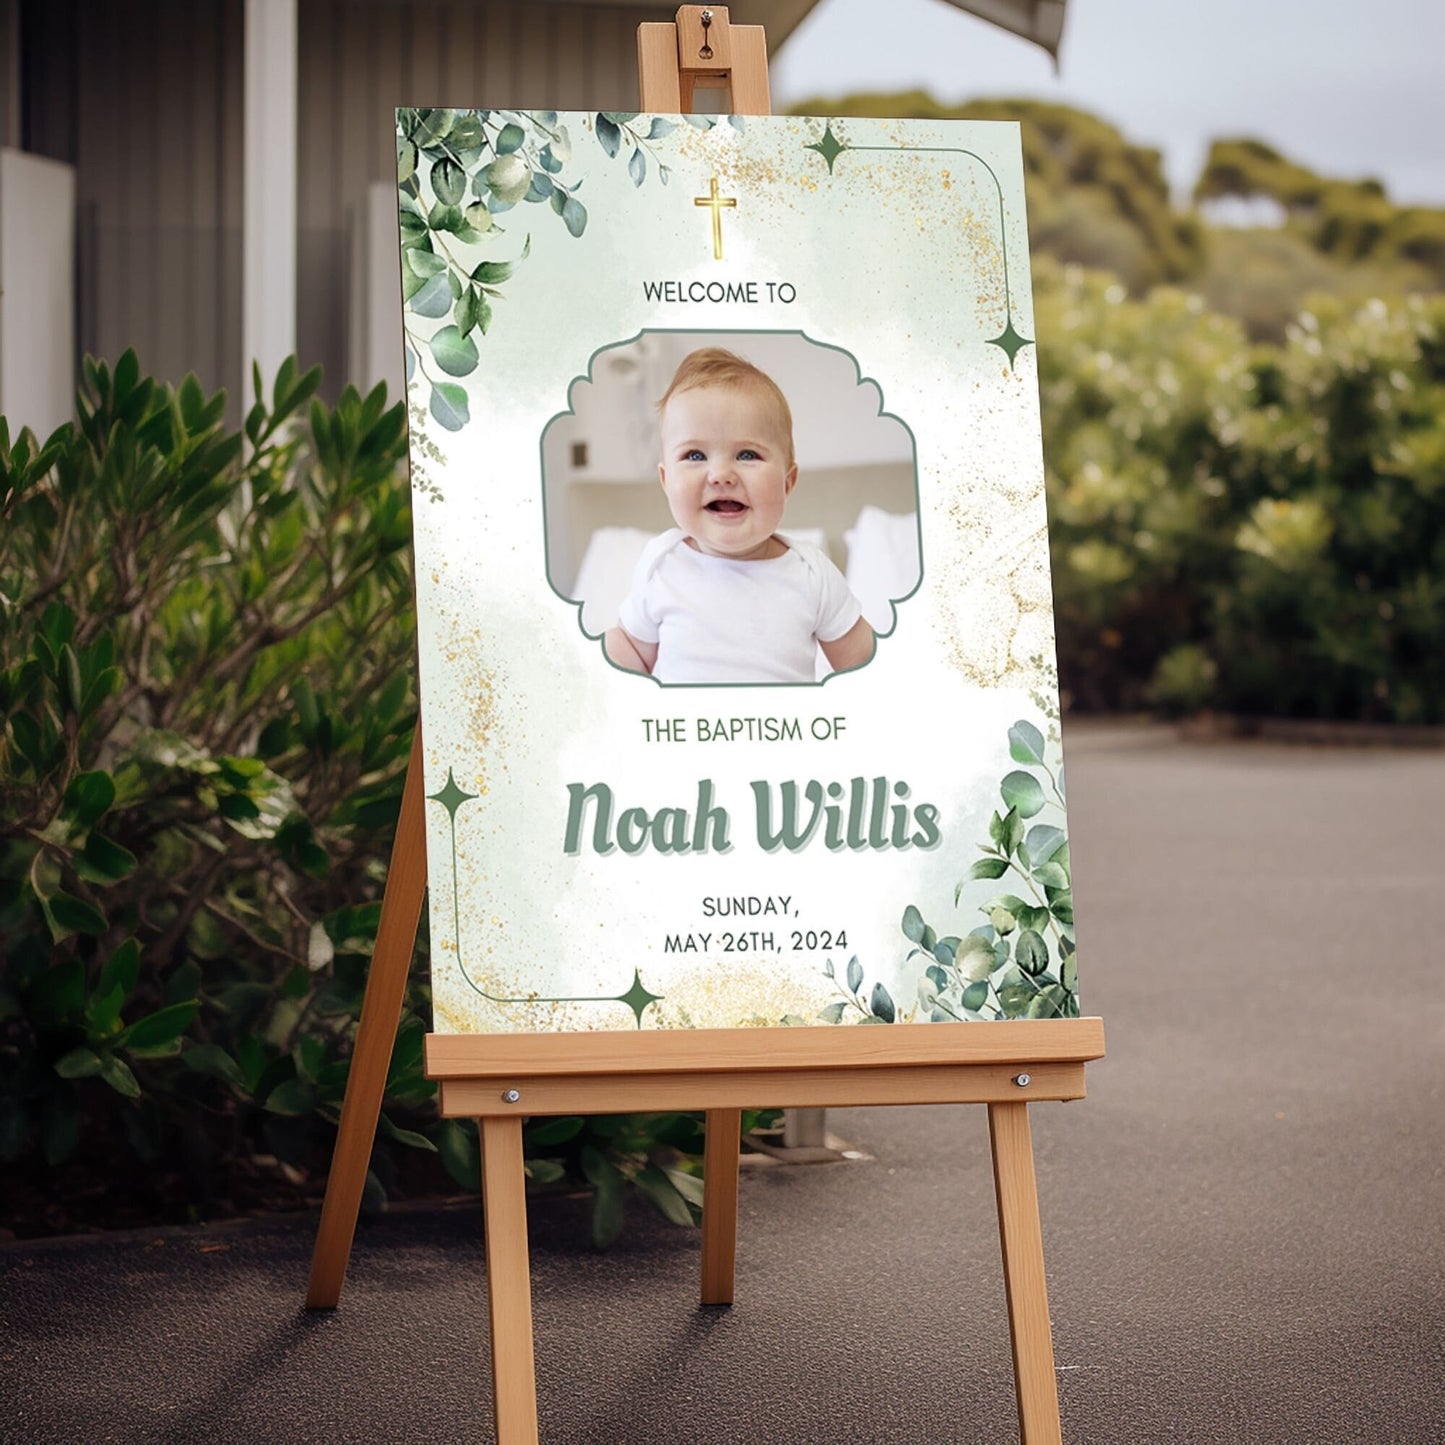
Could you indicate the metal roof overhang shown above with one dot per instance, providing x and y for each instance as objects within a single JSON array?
[{"x": 1039, "y": 21}]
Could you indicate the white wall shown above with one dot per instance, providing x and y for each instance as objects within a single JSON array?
[
  {"x": 37, "y": 292},
  {"x": 374, "y": 337}
]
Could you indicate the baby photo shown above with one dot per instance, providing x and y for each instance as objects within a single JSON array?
[{"x": 793, "y": 530}]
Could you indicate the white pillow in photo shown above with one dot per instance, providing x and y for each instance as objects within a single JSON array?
[
  {"x": 883, "y": 562},
  {"x": 606, "y": 574}
]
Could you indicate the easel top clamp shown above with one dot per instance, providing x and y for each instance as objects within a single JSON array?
[{"x": 702, "y": 46}]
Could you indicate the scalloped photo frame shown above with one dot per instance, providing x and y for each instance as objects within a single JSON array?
[{"x": 856, "y": 498}]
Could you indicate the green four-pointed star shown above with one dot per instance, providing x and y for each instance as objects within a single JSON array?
[
  {"x": 1010, "y": 342},
  {"x": 451, "y": 797},
  {"x": 830, "y": 147}
]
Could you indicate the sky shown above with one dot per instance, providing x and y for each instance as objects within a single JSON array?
[{"x": 1351, "y": 88}]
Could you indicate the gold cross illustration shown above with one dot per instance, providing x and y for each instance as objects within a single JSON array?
[{"x": 716, "y": 203}]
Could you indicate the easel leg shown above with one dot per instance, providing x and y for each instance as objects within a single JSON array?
[
  {"x": 371, "y": 1056},
  {"x": 720, "y": 1204},
  {"x": 509, "y": 1285},
  {"x": 1023, "y": 1272}
]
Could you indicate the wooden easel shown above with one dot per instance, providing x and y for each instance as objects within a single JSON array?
[{"x": 502, "y": 1079}]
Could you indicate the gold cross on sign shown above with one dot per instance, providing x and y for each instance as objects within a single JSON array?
[{"x": 716, "y": 203}]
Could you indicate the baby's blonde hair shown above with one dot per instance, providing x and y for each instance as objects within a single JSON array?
[{"x": 715, "y": 366}]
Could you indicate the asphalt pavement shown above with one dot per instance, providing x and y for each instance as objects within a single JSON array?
[{"x": 1244, "y": 1224}]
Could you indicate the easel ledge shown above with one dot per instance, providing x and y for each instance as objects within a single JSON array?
[{"x": 503, "y": 1075}]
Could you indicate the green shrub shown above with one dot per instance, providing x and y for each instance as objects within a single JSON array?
[
  {"x": 1273, "y": 515},
  {"x": 1337, "y": 605},
  {"x": 1139, "y": 495},
  {"x": 196, "y": 798}
]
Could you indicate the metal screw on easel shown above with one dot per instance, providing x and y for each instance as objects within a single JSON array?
[
  {"x": 706, "y": 52},
  {"x": 511, "y": 1096},
  {"x": 1023, "y": 1080}
]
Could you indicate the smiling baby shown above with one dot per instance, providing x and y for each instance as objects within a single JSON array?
[{"x": 724, "y": 596}]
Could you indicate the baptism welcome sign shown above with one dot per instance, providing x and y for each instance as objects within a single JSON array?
[{"x": 732, "y": 573}]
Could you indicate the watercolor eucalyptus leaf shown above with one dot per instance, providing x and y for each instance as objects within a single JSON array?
[
  {"x": 468, "y": 132},
  {"x": 1031, "y": 952},
  {"x": 1051, "y": 875},
  {"x": 1026, "y": 743},
  {"x": 434, "y": 125},
  {"x": 508, "y": 178},
  {"x": 443, "y": 216},
  {"x": 975, "y": 996},
  {"x": 880, "y": 1002},
  {"x": 448, "y": 181},
  {"x": 913, "y": 924},
  {"x": 425, "y": 264},
  {"x": 1024, "y": 792},
  {"x": 1043, "y": 841},
  {"x": 454, "y": 353},
  {"x": 434, "y": 299},
  {"x": 449, "y": 405},
  {"x": 1008, "y": 902},
  {"x": 1035, "y": 918},
  {"x": 855, "y": 974},
  {"x": 468, "y": 310},
  {"x": 1015, "y": 998},
  {"x": 574, "y": 216},
  {"x": 975, "y": 958},
  {"x": 609, "y": 135}
]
